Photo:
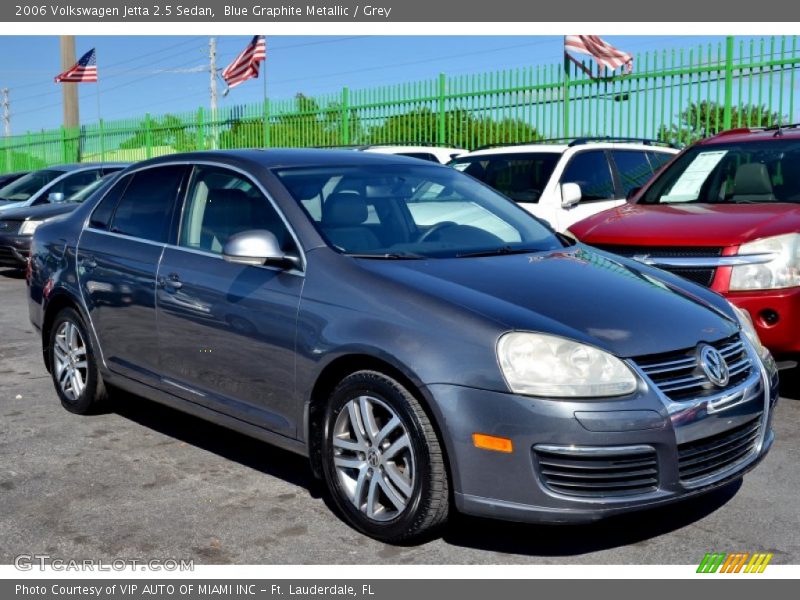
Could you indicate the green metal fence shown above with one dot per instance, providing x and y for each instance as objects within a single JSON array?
[{"x": 677, "y": 96}]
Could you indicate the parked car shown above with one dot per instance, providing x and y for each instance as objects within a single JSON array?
[
  {"x": 519, "y": 374},
  {"x": 725, "y": 214},
  {"x": 53, "y": 184},
  {"x": 6, "y": 178},
  {"x": 564, "y": 181},
  {"x": 429, "y": 152},
  {"x": 18, "y": 224}
]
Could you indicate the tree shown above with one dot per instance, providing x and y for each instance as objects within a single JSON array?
[{"x": 705, "y": 119}]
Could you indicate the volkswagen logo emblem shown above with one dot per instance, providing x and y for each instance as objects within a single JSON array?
[{"x": 714, "y": 366}]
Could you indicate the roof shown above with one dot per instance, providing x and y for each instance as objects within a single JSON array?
[
  {"x": 87, "y": 165},
  {"x": 746, "y": 134},
  {"x": 561, "y": 148},
  {"x": 285, "y": 157}
]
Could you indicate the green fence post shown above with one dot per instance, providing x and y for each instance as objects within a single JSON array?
[
  {"x": 148, "y": 136},
  {"x": 64, "y": 157},
  {"x": 345, "y": 116},
  {"x": 267, "y": 137},
  {"x": 565, "y": 99},
  {"x": 102, "y": 141},
  {"x": 200, "y": 143},
  {"x": 728, "y": 111},
  {"x": 441, "y": 115}
]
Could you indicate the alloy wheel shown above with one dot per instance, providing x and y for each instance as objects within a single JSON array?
[
  {"x": 373, "y": 458},
  {"x": 71, "y": 367}
]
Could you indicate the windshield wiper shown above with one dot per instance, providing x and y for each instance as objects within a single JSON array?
[
  {"x": 389, "y": 256},
  {"x": 499, "y": 251}
]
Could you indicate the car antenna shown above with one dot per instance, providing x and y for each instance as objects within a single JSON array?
[{"x": 778, "y": 130}]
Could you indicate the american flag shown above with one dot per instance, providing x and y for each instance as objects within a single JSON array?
[
  {"x": 245, "y": 66},
  {"x": 83, "y": 71},
  {"x": 603, "y": 52}
]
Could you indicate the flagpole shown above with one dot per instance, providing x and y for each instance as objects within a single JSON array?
[
  {"x": 100, "y": 123},
  {"x": 266, "y": 105}
]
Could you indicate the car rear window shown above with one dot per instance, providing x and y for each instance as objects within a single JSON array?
[
  {"x": 520, "y": 176},
  {"x": 740, "y": 173}
]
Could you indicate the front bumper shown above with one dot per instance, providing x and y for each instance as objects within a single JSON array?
[
  {"x": 14, "y": 250},
  {"x": 513, "y": 487},
  {"x": 781, "y": 336}
]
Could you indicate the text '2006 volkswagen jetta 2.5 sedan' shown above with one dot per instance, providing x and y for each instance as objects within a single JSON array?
[{"x": 478, "y": 362}]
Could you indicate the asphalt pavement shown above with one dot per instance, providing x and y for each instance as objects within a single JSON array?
[{"x": 144, "y": 481}]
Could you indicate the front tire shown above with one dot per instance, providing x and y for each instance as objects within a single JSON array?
[
  {"x": 73, "y": 364},
  {"x": 382, "y": 459}
]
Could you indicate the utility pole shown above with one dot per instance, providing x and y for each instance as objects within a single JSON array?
[
  {"x": 6, "y": 113},
  {"x": 212, "y": 71},
  {"x": 69, "y": 90}
]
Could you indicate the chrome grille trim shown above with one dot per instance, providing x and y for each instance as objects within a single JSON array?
[
  {"x": 678, "y": 374},
  {"x": 597, "y": 472}
]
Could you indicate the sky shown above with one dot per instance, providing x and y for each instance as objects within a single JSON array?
[{"x": 160, "y": 74}]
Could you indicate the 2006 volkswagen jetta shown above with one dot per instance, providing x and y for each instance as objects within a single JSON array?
[{"x": 423, "y": 340}]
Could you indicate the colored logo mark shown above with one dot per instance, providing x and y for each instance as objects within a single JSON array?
[{"x": 738, "y": 562}]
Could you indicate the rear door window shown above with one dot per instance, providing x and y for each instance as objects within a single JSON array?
[
  {"x": 146, "y": 208},
  {"x": 591, "y": 171}
]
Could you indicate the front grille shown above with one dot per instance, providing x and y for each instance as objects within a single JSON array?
[
  {"x": 679, "y": 376},
  {"x": 601, "y": 473},
  {"x": 662, "y": 251},
  {"x": 711, "y": 455},
  {"x": 702, "y": 275}
]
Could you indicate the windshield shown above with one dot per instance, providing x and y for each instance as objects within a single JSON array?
[
  {"x": 87, "y": 191},
  {"x": 741, "y": 173},
  {"x": 412, "y": 211},
  {"x": 25, "y": 187},
  {"x": 521, "y": 177}
]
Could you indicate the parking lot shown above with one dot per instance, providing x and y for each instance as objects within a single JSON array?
[{"x": 145, "y": 481}]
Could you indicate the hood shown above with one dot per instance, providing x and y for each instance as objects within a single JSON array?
[
  {"x": 6, "y": 205},
  {"x": 618, "y": 305},
  {"x": 38, "y": 212},
  {"x": 688, "y": 224}
]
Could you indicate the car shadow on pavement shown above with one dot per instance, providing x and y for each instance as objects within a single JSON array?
[
  {"x": 220, "y": 440},
  {"x": 462, "y": 530},
  {"x": 12, "y": 273},
  {"x": 790, "y": 384},
  {"x": 574, "y": 539}
]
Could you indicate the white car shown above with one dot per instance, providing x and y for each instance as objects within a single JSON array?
[
  {"x": 566, "y": 182},
  {"x": 431, "y": 153}
]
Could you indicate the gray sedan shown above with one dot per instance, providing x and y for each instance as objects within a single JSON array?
[{"x": 424, "y": 341}]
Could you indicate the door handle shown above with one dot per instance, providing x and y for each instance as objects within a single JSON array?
[
  {"x": 173, "y": 281},
  {"x": 88, "y": 263}
]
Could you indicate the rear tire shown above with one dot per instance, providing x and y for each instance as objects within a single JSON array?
[
  {"x": 382, "y": 460},
  {"x": 73, "y": 364}
]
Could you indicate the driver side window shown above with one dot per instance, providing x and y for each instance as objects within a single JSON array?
[
  {"x": 222, "y": 203},
  {"x": 591, "y": 171}
]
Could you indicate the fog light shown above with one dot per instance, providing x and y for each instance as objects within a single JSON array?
[
  {"x": 492, "y": 442},
  {"x": 769, "y": 317}
]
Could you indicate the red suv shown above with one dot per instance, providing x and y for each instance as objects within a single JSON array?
[{"x": 725, "y": 213}]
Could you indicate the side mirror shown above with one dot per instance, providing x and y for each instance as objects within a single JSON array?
[
  {"x": 632, "y": 192},
  {"x": 55, "y": 197},
  {"x": 570, "y": 194},
  {"x": 256, "y": 247}
]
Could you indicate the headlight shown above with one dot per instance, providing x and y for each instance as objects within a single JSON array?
[
  {"x": 781, "y": 272},
  {"x": 749, "y": 330},
  {"x": 28, "y": 227},
  {"x": 544, "y": 365}
]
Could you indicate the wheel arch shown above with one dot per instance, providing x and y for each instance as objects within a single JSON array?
[
  {"x": 58, "y": 301},
  {"x": 339, "y": 368}
]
